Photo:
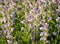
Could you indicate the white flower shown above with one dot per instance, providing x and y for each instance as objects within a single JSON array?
[
  {"x": 43, "y": 34},
  {"x": 16, "y": 42},
  {"x": 9, "y": 41},
  {"x": 58, "y": 19},
  {"x": 43, "y": 38},
  {"x": 41, "y": 28},
  {"x": 22, "y": 28},
  {"x": 46, "y": 25},
  {"x": 23, "y": 22},
  {"x": 4, "y": 19}
]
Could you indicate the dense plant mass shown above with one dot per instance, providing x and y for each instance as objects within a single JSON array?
[{"x": 29, "y": 21}]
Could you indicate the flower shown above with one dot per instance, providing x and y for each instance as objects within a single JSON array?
[
  {"x": 46, "y": 25},
  {"x": 9, "y": 41},
  {"x": 54, "y": 33},
  {"x": 30, "y": 5},
  {"x": 22, "y": 28},
  {"x": 23, "y": 21},
  {"x": 57, "y": 25},
  {"x": 30, "y": 26},
  {"x": 57, "y": 10},
  {"x": 33, "y": 10},
  {"x": 43, "y": 38},
  {"x": 53, "y": 1},
  {"x": 38, "y": 1},
  {"x": 7, "y": 1},
  {"x": 0, "y": 33},
  {"x": 27, "y": 0},
  {"x": 12, "y": 29},
  {"x": 58, "y": 19},
  {"x": 4, "y": 19},
  {"x": 58, "y": 2},
  {"x": 5, "y": 25},
  {"x": 8, "y": 34},
  {"x": 29, "y": 18},
  {"x": 43, "y": 34},
  {"x": 41, "y": 28},
  {"x": 14, "y": 0}
]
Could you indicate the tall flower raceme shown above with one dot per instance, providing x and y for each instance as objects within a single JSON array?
[
  {"x": 44, "y": 33},
  {"x": 7, "y": 20}
]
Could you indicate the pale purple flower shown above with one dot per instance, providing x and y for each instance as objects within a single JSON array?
[
  {"x": 8, "y": 35},
  {"x": 14, "y": 0},
  {"x": 58, "y": 2},
  {"x": 12, "y": 29},
  {"x": 6, "y": 1},
  {"x": 38, "y": 1},
  {"x": 5, "y": 25},
  {"x": 30, "y": 5},
  {"x": 53, "y": 1},
  {"x": 57, "y": 10},
  {"x": 31, "y": 26},
  {"x": 33, "y": 10},
  {"x": 6, "y": 30},
  {"x": 42, "y": 22},
  {"x": 46, "y": 25},
  {"x": 0, "y": 1},
  {"x": 29, "y": 18},
  {"x": 4, "y": 19},
  {"x": 6, "y": 7},
  {"x": 54, "y": 33}
]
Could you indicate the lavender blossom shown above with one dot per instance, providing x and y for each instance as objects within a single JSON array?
[
  {"x": 38, "y": 1},
  {"x": 7, "y": 1},
  {"x": 12, "y": 29},
  {"x": 5, "y": 25},
  {"x": 29, "y": 18},
  {"x": 46, "y": 25},
  {"x": 58, "y": 2},
  {"x": 14, "y": 1},
  {"x": 58, "y": 10},
  {"x": 31, "y": 26}
]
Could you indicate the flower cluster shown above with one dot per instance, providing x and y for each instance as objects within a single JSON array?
[{"x": 29, "y": 21}]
